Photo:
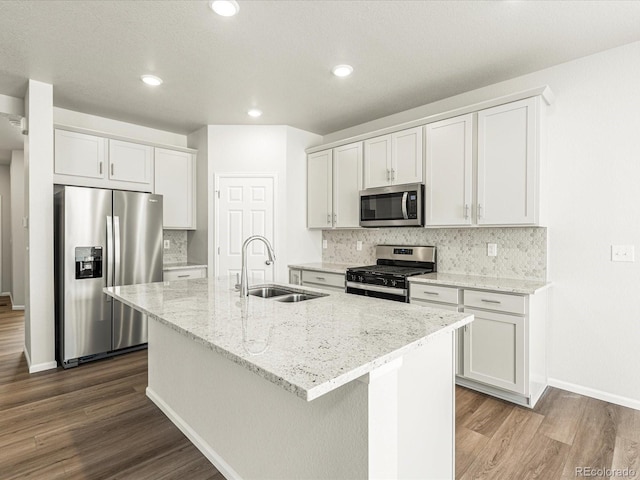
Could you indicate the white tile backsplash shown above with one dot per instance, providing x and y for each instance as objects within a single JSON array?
[
  {"x": 522, "y": 251},
  {"x": 178, "y": 246}
]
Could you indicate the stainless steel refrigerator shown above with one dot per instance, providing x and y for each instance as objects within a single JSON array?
[{"x": 102, "y": 238}]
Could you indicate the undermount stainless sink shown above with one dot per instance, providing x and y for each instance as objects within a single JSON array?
[
  {"x": 268, "y": 292},
  {"x": 299, "y": 297}
]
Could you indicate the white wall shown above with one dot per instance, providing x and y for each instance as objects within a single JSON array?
[
  {"x": 198, "y": 240},
  {"x": 5, "y": 193},
  {"x": 17, "y": 230},
  {"x": 38, "y": 161},
  {"x": 593, "y": 157},
  {"x": 271, "y": 149},
  {"x": 304, "y": 245}
]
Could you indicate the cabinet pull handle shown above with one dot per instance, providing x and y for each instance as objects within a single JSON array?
[
  {"x": 393, "y": 174},
  {"x": 112, "y": 169},
  {"x": 335, "y": 218},
  {"x": 388, "y": 174},
  {"x": 490, "y": 301},
  {"x": 328, "y": 219},
  {"x": 100, "y": 168},
  {"x": 183, "y": 276},
  {"x": 431, "y": 293},
  {"x": 479, "y": 210},
  {"x": 466, "y": 210},
  {"x": 322, "y": 279}
]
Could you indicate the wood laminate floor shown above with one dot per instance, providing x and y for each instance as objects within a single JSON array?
[{"x": 95, "y": 422}]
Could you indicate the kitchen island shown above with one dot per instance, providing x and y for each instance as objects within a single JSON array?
[{"x": 340, "y": 386}]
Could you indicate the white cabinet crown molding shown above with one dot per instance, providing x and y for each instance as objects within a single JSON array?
[
  {"x": 542, "y": 91},
  {"x": 88, "y": 131}
]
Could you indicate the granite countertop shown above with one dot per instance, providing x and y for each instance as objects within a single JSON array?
[
  {"x": 182, "y": 265},
  {"x": 325, "y": 267},
  {"x": 308, "y": 348},
  {"x": 508, "y": 285}
]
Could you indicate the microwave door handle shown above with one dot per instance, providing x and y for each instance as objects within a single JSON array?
[{"x": 405, "y": 198}]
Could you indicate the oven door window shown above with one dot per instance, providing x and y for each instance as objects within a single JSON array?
[{"x": 386, "y": 206}]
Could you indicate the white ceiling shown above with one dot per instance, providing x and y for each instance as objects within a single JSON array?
[{"x": 277, "y": 55}]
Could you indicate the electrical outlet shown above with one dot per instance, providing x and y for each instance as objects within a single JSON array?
[
  {"x": 622, "y": 253},
  {"x": 492, "y": 249},
  {"x": 324, "y": 244},
  {"x": 167, "y": 244},
  {"x": 359, "y": 245}
]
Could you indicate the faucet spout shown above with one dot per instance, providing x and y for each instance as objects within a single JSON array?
[{"x": 244, "y": 280}]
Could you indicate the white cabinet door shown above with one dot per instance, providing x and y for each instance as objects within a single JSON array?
[
  {"x": 79, "y": 154},
  {"x": 319, "y": 189},
  {"x": 130, "y": 162},
  {"x": 175, "y": 181},
  {"x": 347, "y": 183},
  {"x": 406, "y": 155},
  {"x": 377, "y": 161},
  {"x": 507, "y": 164},
  {"x": 449, "y": 160},
  {"x": 494, "y": 350},
  {"x": 295, "y": 276}
]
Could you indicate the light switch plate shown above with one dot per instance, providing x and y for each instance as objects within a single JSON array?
[
  {"x": 622, "y": 253},
  {"x": 359, "y": 245},
  {"x": 167, "y": 244},
  {"x": 324, "y": 244},
  {"x": 492, "y": 249}
]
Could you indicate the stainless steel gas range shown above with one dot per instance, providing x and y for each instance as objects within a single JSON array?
[{"x": 388, "y": 277}]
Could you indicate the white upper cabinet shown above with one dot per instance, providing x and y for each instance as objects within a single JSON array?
[
  {"x": 406, "y": 156},
  {"x": 347, "y": 183},
  {"x": 449, "y": 176},
  {"x": 393, "y": 159},
  {"x": 334, "y": 180},
  {"x": 175, "y": 181},
  {"x": 319, "y": 189},
  {"x": 79, "y": 154},
  {"x": 130, "y": 162},
  {"x": 508, "y": 164}
]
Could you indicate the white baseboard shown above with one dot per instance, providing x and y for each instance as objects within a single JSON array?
[
  {"x": 593, "y": 393},
  {"x": 223, "y": 467},
  {"x": 17, "y": 307},
  {"x": 39, "y": 367}
]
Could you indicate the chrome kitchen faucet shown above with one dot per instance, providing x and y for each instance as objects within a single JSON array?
[{"x": 244, "y": 281}]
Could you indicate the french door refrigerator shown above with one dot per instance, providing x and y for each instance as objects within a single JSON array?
[{"x": 102, "y": 238}]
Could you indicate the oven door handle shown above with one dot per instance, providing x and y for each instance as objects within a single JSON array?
[
  {"x": 405, "y": 197},
  {"x": 401, "y": 292}
]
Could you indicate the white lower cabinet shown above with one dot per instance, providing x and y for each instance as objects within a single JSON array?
[
  {"x": 184, "y": 273},
  {"x": 502, "y": 352},
  {"x": 332, "y": 282}
]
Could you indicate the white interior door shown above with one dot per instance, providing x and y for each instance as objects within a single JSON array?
[{"x": 245, "y": 208}]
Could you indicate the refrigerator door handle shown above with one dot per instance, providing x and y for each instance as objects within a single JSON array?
[
  {"x": 109, "y": 271},
  {"x": 116, "y": 250}
]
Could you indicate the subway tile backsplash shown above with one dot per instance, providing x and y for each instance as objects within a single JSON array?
[
  {"x": 522, "y": 251},
  {"x": 178, "y": 246}
]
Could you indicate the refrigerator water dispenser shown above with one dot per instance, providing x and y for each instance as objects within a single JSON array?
[{"x": 88, "y": 262}]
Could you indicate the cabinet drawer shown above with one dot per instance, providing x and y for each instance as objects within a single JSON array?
[
  {"x": 183, "y": 274},
  {"x": 322, "y": 278},
  {"x": 495, "y": 301},
  {"x": 434, "y": 293}
]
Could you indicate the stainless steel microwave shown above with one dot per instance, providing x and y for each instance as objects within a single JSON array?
[{"x": 393, "y": 206}]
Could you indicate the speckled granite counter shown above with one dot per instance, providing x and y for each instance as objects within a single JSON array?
[
  {"x": 508, "y": 285},
  {"x": 308, "y": 348},
  {"x": 326, "y": 267},
  {"x": 181, "y": 266}
]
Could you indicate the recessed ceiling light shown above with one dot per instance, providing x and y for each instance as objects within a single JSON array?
[
  {"x": 342, "y": 70},
  {"x": 151, "y": 80},
  {"x": 254, "y": 112},
  {"x": 225, "y": 8}
]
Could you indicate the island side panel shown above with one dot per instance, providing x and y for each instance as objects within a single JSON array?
[
  {"x": 250, "y": 428},
  {"x": 426, "y": 411}
]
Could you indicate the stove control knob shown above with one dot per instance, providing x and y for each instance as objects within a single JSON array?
[
  {"x": 360, "y": 278},
  {"x": 385, "y": 281},
  {"x": 393, "y": 283}
]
